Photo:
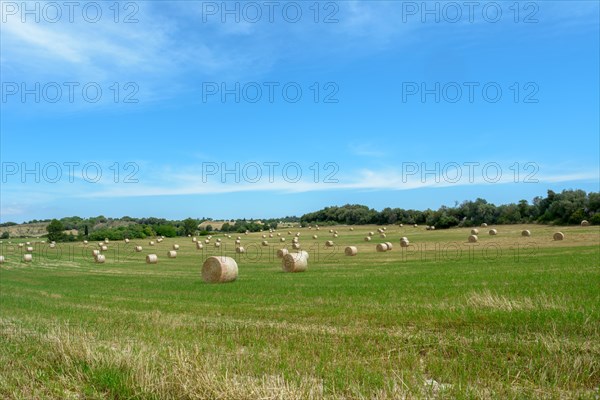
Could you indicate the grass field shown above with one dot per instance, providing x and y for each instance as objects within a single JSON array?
[{"x": 507, "y": 317}]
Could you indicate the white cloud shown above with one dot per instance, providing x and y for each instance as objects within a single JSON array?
[
  {"x": 387, "y": 179},
  {"x": 366, "y": 150}
]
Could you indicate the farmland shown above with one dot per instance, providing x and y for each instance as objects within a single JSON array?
[{"x": 505, "y": 317}]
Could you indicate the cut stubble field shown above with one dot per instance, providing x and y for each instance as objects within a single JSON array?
[{"x": 506, "y": 317}]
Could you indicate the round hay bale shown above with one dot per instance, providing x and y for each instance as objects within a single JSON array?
[
  {"x": 105, "y": 240},
  {"x": 159, "y": 240},
  {"x": 415, "y": 225},
  {"x": 228, "y": 236},
  {"x": 383, "y": 236},
  {"x": 175, "y": 247},
  {"x": 294, "y": 262},
  {"x": 335, "y": 232},
  {"x": 526, "y": 233},
  {"x": 475, "y": 231},
  {"x": 335, "y": 235},
  {"x": 432, "y": 228},
  {"x": 199, "y": 246},
  {"x": 239, "y": 238},
  {"x": 138, "y": 249},
  {"x": 217, "y": 244},
  {"x": 371, "y": 233},
  {"x": 151, "y": 259},
  {"x": 21, "y": 244},
  {"x": 85, "y": 242},
  {"x": 100, "y": 258},
  {"x": 315, "y": 237},
  {"x": 151, "y": 243},
  {"x": 331, "y": 231},
  {"x": 351, "y": 229},
  {"x": 389, "y": 245},
  {"x": 297, "y": 234},
  {"x": 264, "y": 236},
  {"x": 367, "y": 238},
  {"x": 238, "y": 241},
  {"x": 304, "y": 253},
  {"x": 493, "y": 232},
  {"x": 381, "y": 247},
  {"x": 29, "y": 249},
  {"x": 289, "y": 232},
  {"x": 27, "y": 257},
  {"x": 2, "y": 259},
  {"x": 329, "y": 243},
  {"x": 278, "y": 234},
  {"x": 282, "y": 239},
  {"x": 295, "y": 240},
  {"x": 126, "y": 240},
  {"x": 194, "y": 239},
  {"x": 282, "y": 253},
  {"x": 351, "y": 251},
  {"x": 218, "y": 239},
  {"x": 172, "y": 254},
  {"x": 379, "y": 230},
  {"x": 265, "y": 243},
  {"x": 318, "y": 228},
  {"x": 100, "y": 244},
  {"x": 207, "y": 241},
  {"x": 559, "y": 236},
  {"x": 95, "y": 252},
  {"x": 585, "y": 223},
  {"x": 104, "y": 248},
  {"x": 209, "y": 237},
  {"x": 484, "y": 225},
  {"x": 52, "y": 245},
  {"x": 240, "y": 250},
  {"x": 401, "y": 225},
  {"x": 296, "y": 246},
  {"x": 473, "y": 238},
  {"x": 219, "y": 270},
  {"x": 404, "y": 242},
  {"x": 270, "y": 235}
]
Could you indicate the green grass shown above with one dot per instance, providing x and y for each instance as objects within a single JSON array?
[{"x": 522, "y": 321}]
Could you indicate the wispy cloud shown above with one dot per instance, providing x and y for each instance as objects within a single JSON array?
[
  {"x": 366, "y": 150},
  {"x": 362, "y": 180}
]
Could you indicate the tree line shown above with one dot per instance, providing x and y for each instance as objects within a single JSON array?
[
  {"x": 568, "y": 207},
  {"x": 565, "y": 208}
]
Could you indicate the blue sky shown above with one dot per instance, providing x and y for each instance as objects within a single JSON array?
[{"x": 399, "y": 106}]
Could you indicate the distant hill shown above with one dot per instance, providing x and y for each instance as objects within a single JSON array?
[
  {"x": 38, "y": 229},
  {"x": 29, "y": 230}
]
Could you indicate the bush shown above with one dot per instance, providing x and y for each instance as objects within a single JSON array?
[
  {"x": 166, "y": 230},
  {"x": 5, "y": 235}
]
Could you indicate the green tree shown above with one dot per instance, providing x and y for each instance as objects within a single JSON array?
[
  {"x": 5, "y": 235},
  {"x": 55, "y": 230},
  {"x": 190, "y": 226}
]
